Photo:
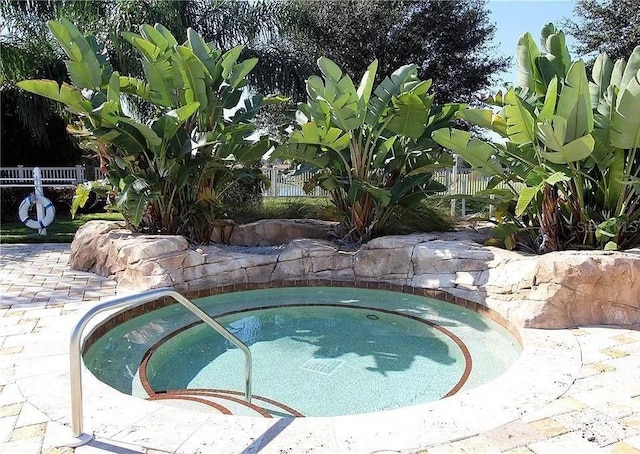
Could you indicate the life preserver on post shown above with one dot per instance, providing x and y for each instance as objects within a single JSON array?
[{"x": 49, "y": 212}]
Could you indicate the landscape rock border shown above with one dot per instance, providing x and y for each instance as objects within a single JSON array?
[{"x": 557, "y": 290}]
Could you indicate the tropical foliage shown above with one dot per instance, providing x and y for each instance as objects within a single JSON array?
[
  {"x": 33, "y": 127},
  {"x": 172, "y": 169},
  {"x": 572, "y": 143},
  {"x": 448, "y": 41},
  {"x": 371, "y": 149}
]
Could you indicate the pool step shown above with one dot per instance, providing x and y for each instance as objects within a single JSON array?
[{"x": 227, "y": 402}]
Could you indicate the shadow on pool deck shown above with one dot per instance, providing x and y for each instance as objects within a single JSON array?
[{"x": 267, "y": 437}]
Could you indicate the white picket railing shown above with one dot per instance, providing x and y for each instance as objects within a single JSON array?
[
  {"x": 283, "y": 182},
  {"x": 21, "y": 176}
]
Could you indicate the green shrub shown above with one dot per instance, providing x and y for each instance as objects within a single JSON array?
[
  {"x": 370, "y": 148},
  {"x": 172, "y": 170},
  {"x": 572, "y": 145},
  {"x": 289, "y": 208},
  {"x": 422, "y": 217}
]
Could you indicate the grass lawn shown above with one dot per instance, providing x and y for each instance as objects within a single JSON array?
[{"x": 60, "y": 231}]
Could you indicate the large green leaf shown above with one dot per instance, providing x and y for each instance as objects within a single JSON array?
[
  {"x": 193, "y": 77},
  {"x": 555, "y": 43},
  {"x": 134, "y": 86},
  {"x": 632, "y": 68},
  {"x": 553, "y": 134},
  {"x": 575, "y": 102},
  {"x": 618, "y": 70},
  {"x": 202, "y": 50},
  {"x": 134, "y": 198},
  {"x": 383, "y": 150},
  {"x": 576, "y": 150},
  {"x": 479, "y": 154},
  {"x": 249, "y": 154},
  {"x": 520, "y": 123},
  {"x": 485, "y": 118},
  {"x": 167, "y": 125},
  {"x": 527, "y": 53},
  {"x": 366, "y": 83},
  {"x": 329, "y": 69},
  {"x": 146, "y": 48},
  {"x": 83, "y": 75},
  {"x": 409, "y": 116},
  {"x": 249, "y": 110},
  {"x": 229, "y": 59},
  {"x": 614, "y": 186},
  {"x": 64, "y": 93},
  {"x": 382, "y": 196},
  {"x": 550, "y": 100},
  {"x": 527, "y": 194},
  {"x": 84, "y": 68},
  {"x": 311, "y": 134},
  {"x": 625, "y": 121},
  {"x": 239, "y": 72},
  {"x": 549, "y": 67},
  {"x": 300, "y": 152},
  {"x": 154, "y": 36},
  {"x": 106, "y": 115},
  {"x": 389, "y": 87},
  {"x": 601, "y": 73},
  {"x": 557, "y": 177},
  {"x": 171, "y": 41},
  {"x": 113, "y": 89},
  {"x": 159, "y": 77}
]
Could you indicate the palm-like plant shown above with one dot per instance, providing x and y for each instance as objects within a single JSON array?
[
  {"x": 371, "y": 149},
  {"x": 172, "y": 171},
  {"x": 571, "y": 142}
]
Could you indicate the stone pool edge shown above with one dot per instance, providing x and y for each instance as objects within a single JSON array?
[{"x": 556, "y": 290}]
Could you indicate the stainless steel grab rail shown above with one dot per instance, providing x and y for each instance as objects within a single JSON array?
[{"x": 75, "y": 352}]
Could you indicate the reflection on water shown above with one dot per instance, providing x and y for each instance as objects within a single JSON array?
[{"x": 146, "y": 334}]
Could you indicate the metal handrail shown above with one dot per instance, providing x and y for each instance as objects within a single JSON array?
[{"x": 75, "y": 352}]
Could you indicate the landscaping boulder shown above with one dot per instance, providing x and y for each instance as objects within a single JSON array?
[{"x": 272, "y": 232}]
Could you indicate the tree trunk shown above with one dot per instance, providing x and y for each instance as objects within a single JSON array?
[{"x": 549, "y": 226}]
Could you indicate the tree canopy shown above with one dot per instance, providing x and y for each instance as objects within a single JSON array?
[
  {"x": 448, "y": 41},
  {"x": 611, "y": 26}
]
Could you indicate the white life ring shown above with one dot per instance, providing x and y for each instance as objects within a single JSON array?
[{"x": 49, "y": 212}]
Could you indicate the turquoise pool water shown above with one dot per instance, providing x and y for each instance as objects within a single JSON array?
[{"x": 320, "y": 351}]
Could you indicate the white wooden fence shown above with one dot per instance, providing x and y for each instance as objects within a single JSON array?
[
  {"x": 22, "y": 177},
  {"x": 283, "y": 183}
]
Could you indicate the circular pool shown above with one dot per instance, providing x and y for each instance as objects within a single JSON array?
[{"x": 317, "y": 351}]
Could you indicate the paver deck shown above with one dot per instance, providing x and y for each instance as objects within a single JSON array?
[{"x": 41, "y": 299}]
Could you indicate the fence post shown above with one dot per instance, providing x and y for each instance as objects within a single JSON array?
[
  {"x": 21, "y": 173},
  {"x": 274, "y": 181},
  {"x": 79, "y": 173},
  {"x": 454, "y": 183},
  {"x": 491, "y": 206},
  {"x": 37, "y": 183},
  {"x": 463, "y": 190}
]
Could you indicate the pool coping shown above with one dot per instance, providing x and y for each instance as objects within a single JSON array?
[{"x": 548, "y": 365}]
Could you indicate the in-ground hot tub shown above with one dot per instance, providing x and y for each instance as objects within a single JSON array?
[{"x": 317, "y": 351}]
